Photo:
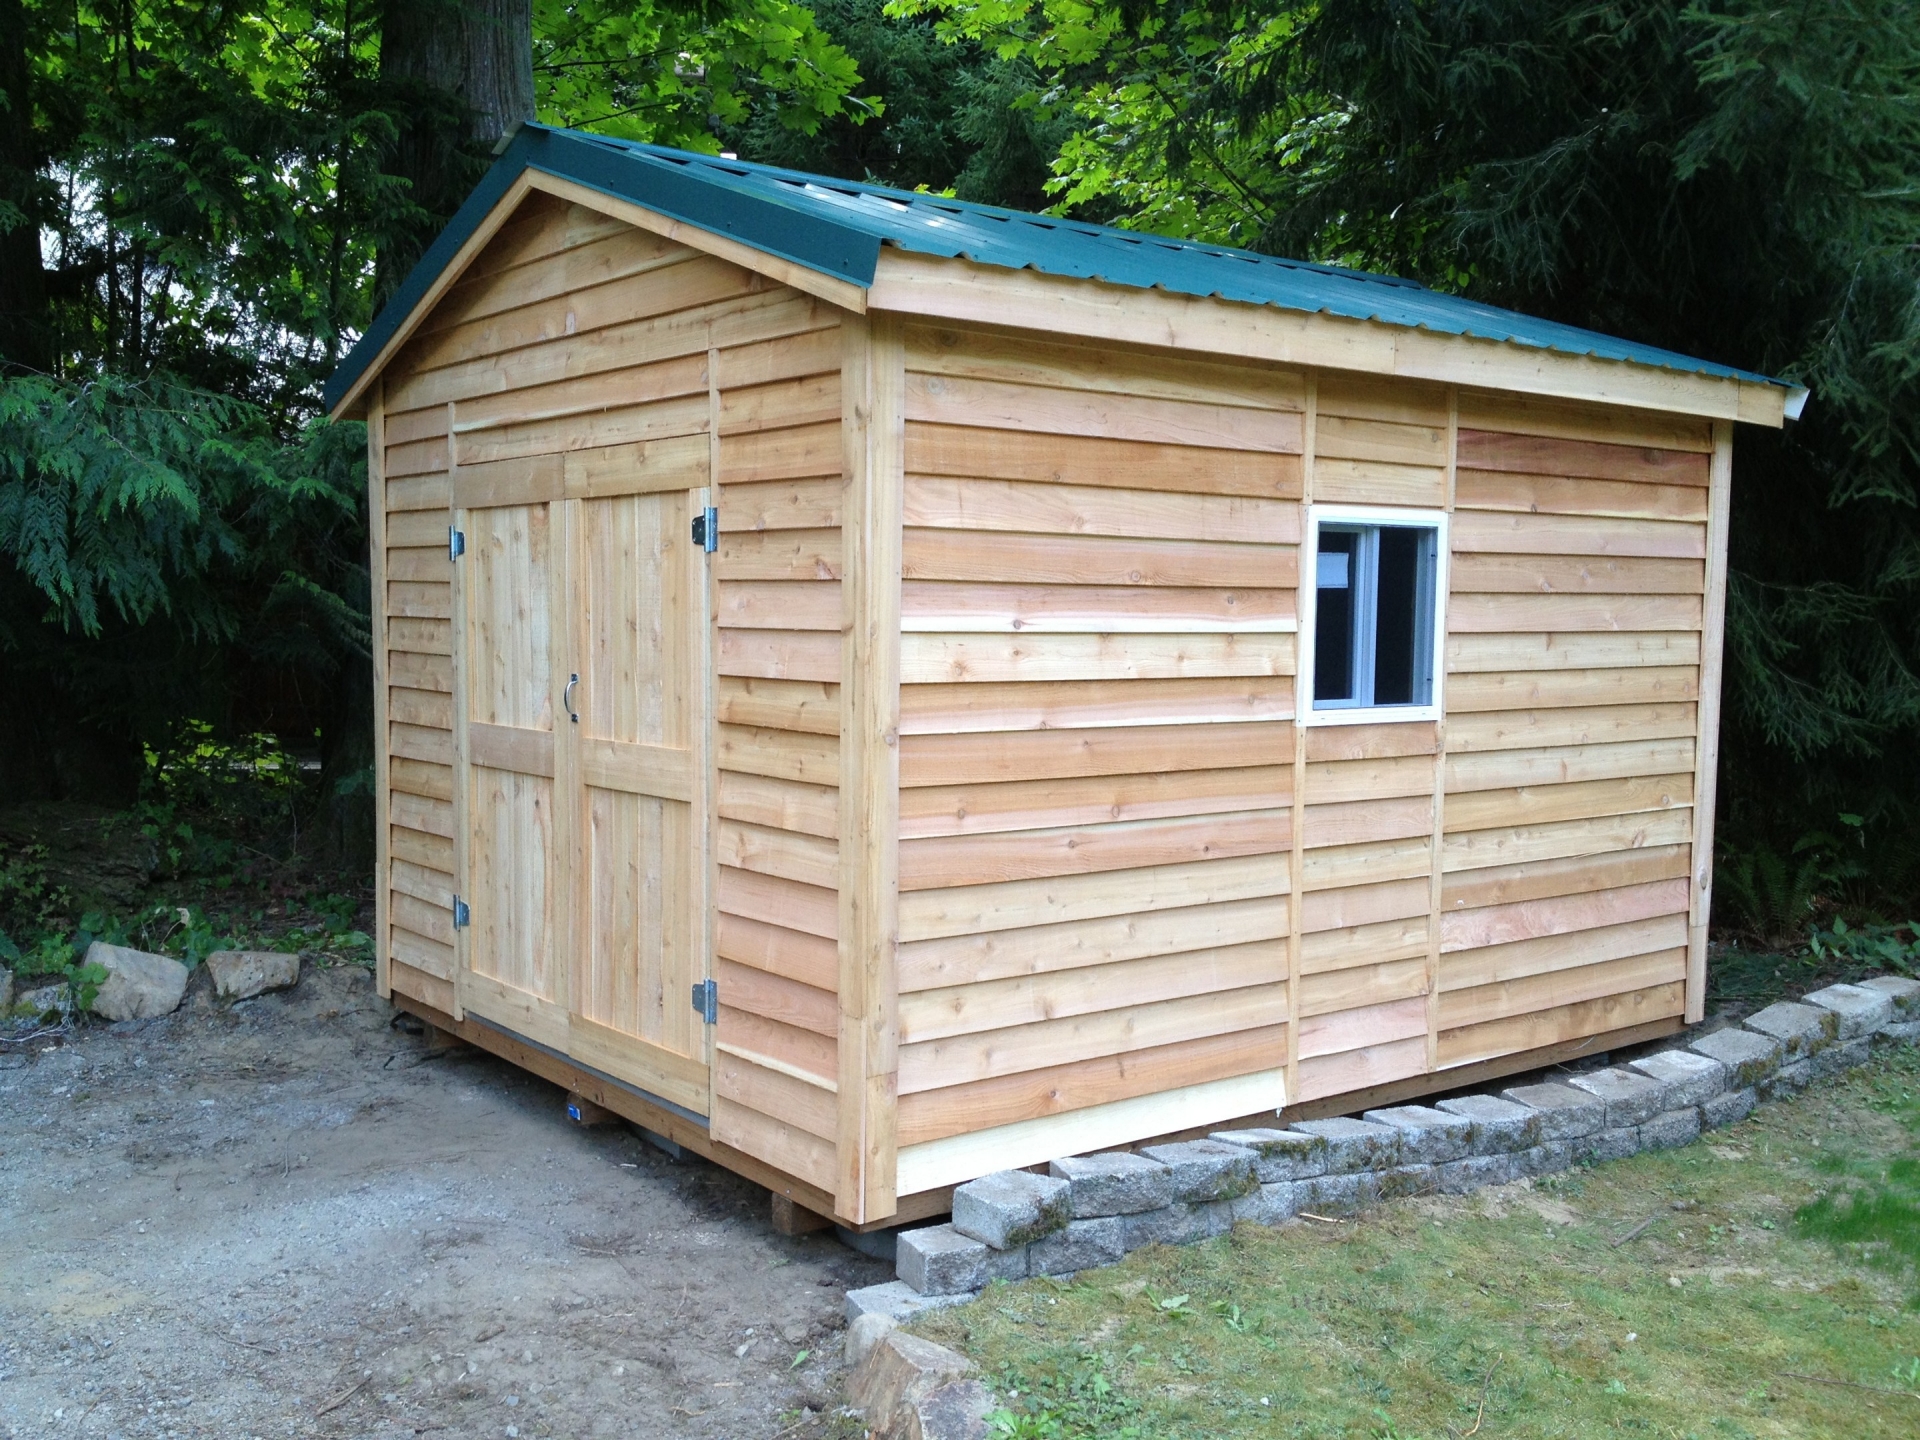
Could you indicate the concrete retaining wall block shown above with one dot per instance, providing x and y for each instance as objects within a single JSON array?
[
  {"x": 1499, "y": 1126},
  {"x": 1427, "y": 1136},
  {"x": 1205, "y": 1170},
  {"x": 1564, "y": 1113},
  {"x": 1801, "y": 1029},
  {"x": 1860, "y": 1009},
  {"x": 1083, "y": 1245},
  {"x": 1117, "y": 1183},
  {"x": 1690, "y": 1079},
  {"x": 1729, "y": 1108},
  {"x": 939, "y": 1260},
  {"x": 1011, "y": 1208},
  {"x": 1749, "y": 1056},
  {"x": 1630, "y": 1097},
  {"x": 1904, "y": 993},
  {"x": 1671, "y": 1129},
  {"x": 1847, "y": 1055},
  {"x": 1355, "y": 1145},
  {"x": 1279, "y": 1154}
]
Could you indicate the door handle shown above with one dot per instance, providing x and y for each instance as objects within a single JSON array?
[{"x": 566, "y": 698}]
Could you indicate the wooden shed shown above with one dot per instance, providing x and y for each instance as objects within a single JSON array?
[{"x": 882, "y": 690}]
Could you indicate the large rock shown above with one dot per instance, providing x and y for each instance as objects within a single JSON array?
[
  {"x": 953, "y": 1412},
  {"x": 139, "y": 985},
  {"x": 898, "y": 1373},
  {"x": 6, "y": 991},
  {"x": 243, "y": 974},
  {"x": 47, "y": 999}
]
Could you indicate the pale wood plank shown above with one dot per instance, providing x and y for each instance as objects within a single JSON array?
[
  {"x": 1008, "y": 558},
  {"x": 1526, "y": 994},
  {"x": 1529, "y": 689},
  {"x": 953, "y": 860},
  {"x": 973, "y": 708},
  {"x": 810, "y": 909},
  {"x": 986, "y": 756},
  {"x": 1564, "y": 764},
  {"x": 782, "y": 804},
  {"x": 1500, "y": 614},
  {"x": 1574, "y": 875},
  {"x": 998, "y": 404},
  {"x": 1011, "y": 905},
  {"x": 946, "y": 657},
  {"x": 1563, "y": 1022},
  {"x": 1482, "y": 490},
  {"x": 1566, "y": 838},
  {"x": 779, "y": 704},
  {"x": 965, "y": 450},
  {"x": 964, "y": 959},
  {"x": 874, "y": 426},
  {"x": 1023, "y": 360},
  {"x": 1062, "y": 1089},
  {"x": 781, "y": 654},
  {"x": 1574, "y": 574},
  {"x": 1021, "y": 805},
  {"x": 1517, "y": 959},
  {"x": 1480, "y": 653},
  {"x": 933, "y": 1064},
  {"x": 806, "y": 959},
  {"x": 1612, "y": 424},
  {"x": 812, "y": 759},
  {"x": 1706, "y": 766},
  {"x": 958, "y": 503},
  {"x": 934, "y": 606},
  {"x": 1483, "y": 449},
  {"x": 1578, "y": 800},
  {"x": 996, "y": 1005},
  {"x": 1505, "y": 532},
  {"x": 1575, "y": 725}
]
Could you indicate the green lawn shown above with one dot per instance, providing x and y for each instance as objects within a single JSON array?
[{"x": 1750, "y": 1306}]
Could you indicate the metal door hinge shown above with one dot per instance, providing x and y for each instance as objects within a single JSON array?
[
  {"x": 456, "y": 543},
  {"x": 706, "y": 1000},
  {"x": 706, "y": 529},
  {"x": 461, "y": 915}
]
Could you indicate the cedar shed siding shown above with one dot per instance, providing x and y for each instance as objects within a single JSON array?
[
  {"x": 968, "y": 765},
  {"x": 575, "y": 339}
]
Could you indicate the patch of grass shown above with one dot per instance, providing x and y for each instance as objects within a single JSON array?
[{"x": 1770, "y": 1297}]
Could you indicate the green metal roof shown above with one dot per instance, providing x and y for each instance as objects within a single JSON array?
[{"x": 837, "y": 228}]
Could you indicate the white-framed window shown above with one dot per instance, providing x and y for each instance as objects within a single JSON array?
[{"x": 1373, "y": 585}]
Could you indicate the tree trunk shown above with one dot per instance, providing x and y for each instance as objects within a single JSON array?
[
  {"x": 26, "y": 341},
  {"x": 459, "y": 74}
]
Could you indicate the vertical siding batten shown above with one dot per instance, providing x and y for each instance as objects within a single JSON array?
[
  {"x": 1706, "y": 768},
  {"x": 873, "y": 378}
]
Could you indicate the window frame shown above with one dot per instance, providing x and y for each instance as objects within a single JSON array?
[{"x": 1318, "y": 515}]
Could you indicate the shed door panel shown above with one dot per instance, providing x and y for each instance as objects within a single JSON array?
[
  {"x": 514, "y": 872},
  {"x": 639, "y": 601}
]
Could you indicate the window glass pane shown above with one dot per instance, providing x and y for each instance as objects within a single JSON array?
[
  {"x": 1397, "y": 629},
  {"x": 1334, "y": 616}
]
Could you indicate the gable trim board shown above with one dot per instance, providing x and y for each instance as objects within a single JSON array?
[{"x": 863, "y": 245}]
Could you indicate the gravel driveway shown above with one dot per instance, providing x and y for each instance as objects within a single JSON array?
[{"x": 288, "y": 1218}]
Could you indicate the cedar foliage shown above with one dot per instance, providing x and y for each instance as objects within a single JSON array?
[{"x": 216, "y": 194}]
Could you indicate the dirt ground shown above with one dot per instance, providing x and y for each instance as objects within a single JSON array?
[{"x": 288, "y": 1218}]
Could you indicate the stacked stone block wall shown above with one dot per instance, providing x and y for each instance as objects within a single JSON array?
[{"x": 1090, "y": 1210}]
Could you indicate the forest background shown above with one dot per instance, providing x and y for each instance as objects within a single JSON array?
[{"x": 203, "y": 204}]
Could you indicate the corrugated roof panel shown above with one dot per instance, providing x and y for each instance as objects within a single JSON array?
[{"x": 837, "y": 227}]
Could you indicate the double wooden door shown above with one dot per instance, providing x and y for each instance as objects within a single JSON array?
[{"x": 581, "y": 811}]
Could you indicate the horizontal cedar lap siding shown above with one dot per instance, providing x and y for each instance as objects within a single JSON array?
[
  {"x": 570, "y": 331},
  {"x": 1096, "y": 751},
  {"x": 1573, "y": 653},
  {"x": 1098, "y": 765}
]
